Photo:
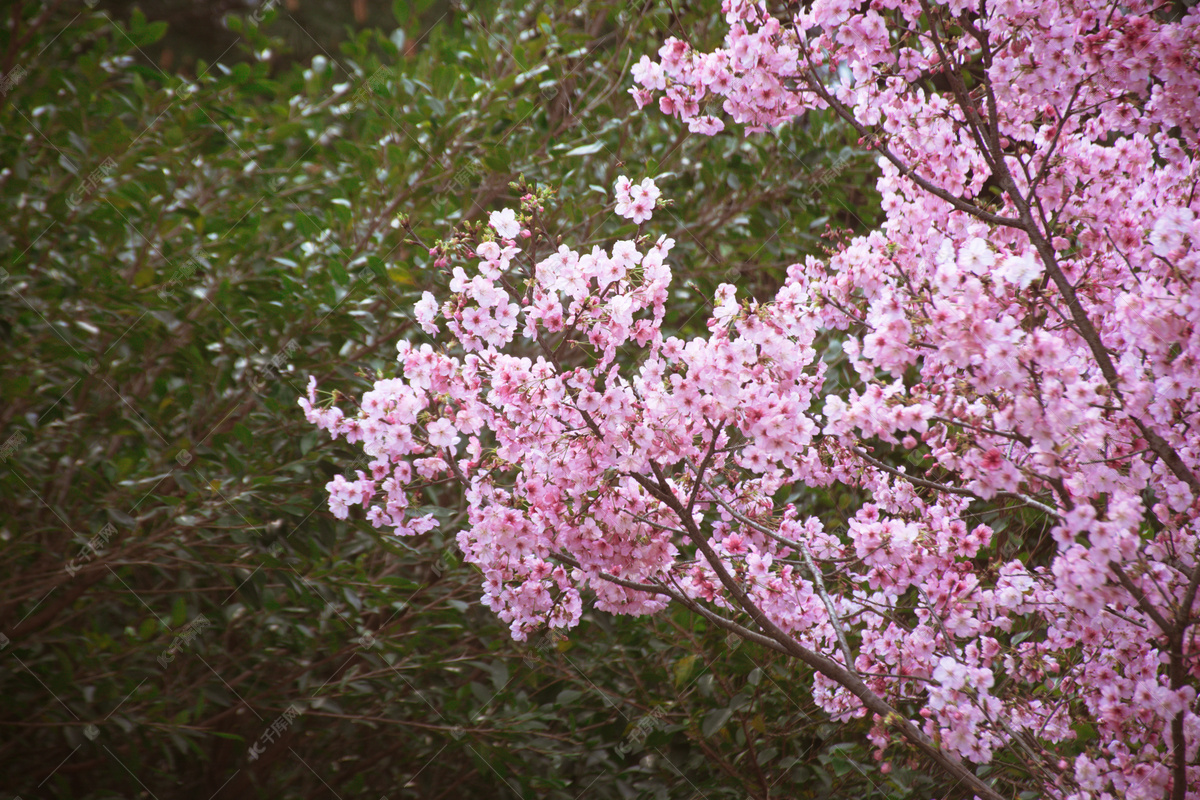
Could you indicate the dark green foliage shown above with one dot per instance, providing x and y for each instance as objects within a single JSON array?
[{"x": 179, "y": 254}]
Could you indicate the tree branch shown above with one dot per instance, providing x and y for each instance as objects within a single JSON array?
[{"x": 823, "y": 664}]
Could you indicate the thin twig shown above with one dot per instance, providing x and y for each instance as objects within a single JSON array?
[{"x": 818, "y": 580}]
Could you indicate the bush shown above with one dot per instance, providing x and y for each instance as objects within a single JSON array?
[{"x": 181, "y": 614}]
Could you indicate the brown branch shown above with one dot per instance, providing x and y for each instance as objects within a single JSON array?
[{"x": 821, "y": 663}]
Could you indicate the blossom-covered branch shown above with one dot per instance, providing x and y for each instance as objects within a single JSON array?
[{"x": 1022, "y": 326}]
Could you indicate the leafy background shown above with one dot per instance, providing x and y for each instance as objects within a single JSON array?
[{"x": 204, "y": 209}]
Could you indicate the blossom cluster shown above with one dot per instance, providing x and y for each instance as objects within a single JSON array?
[
  {"x": 636, "y": 201},
  {"x": 1031, "y": 353}
]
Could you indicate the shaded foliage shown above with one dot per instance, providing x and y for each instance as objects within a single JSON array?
[{"x": 179, "y": 252}]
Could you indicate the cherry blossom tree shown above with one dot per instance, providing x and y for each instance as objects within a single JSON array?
[{"x": 1020, "y": 334}]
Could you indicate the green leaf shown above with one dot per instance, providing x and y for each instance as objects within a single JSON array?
[
  {"x": 585, "y": 149},
  {"x": 243, "y": 434},
  {"x": 499, "y": 672},
  {"x": 306, "y": 225},
  {"x": 143, "y": 35},
  {"x": 401, "y": 11},
  {"x": 715, "y": 720},
  {"x": 250, "y": 592},
  {"x": 178, "y": 612},
  {"x": 377, "y": 265},
  {"x": 121, "y": 518},
  {"x": 444, "y": 78},
  {"x": 684, "y": 668}
]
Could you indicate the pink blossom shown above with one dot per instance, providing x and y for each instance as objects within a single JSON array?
[
  {"x": 1021, "y": 270},
  {"x": 442, "y": 433},
  {"x": 425, "y": 312},
  {"x": 505, "y": 223}
]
